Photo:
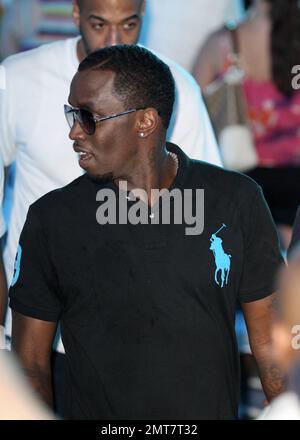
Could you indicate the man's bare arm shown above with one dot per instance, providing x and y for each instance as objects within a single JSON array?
[
  {"x": 259, "y": 319},
  {"x": 32, "y": 342}
]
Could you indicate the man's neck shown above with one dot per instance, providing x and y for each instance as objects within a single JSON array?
[{"x": 158, "y": 172}]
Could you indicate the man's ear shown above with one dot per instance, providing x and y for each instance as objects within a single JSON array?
[
  {"x": 76, "y": 13},
  {"x": 147, "y": 122}
]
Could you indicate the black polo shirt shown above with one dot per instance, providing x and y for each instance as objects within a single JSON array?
[{"x": 147, "y": 312}]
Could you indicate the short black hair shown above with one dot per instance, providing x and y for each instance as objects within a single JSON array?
[{"x": 142, "y": 80}]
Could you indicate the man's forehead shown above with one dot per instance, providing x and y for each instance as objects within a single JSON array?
[
  {"x": 102, "y": 7},
  {"x": 91, "y": 86}
]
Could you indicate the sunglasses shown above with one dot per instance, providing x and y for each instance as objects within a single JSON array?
[{"x": 87, "y": 120}]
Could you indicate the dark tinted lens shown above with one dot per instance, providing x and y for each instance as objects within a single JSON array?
[
  {"x": 88, "y": 122},
  {"x": 69, "y": 114}
]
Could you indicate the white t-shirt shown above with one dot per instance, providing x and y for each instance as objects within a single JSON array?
[
  {"x": 284, "y": 407},
  {"x": 2, "y": 224},
  {"x": 178, "y": 28},
  {"x": 33, "y": 130}
]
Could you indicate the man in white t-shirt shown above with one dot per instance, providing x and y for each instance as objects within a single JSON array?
[{"x": 33, "y": 131}]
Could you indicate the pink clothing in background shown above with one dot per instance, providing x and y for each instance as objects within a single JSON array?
[{"x": 275, "y": 123}]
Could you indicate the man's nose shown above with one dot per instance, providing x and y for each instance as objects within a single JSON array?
[
  {"x": 76, "y": 131},
  {"x": 113, "y": 36}
]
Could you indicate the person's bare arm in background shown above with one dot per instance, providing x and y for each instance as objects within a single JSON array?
[
  {"x": 17, "y": 402},
  {"x": 210, "y": 60},
  {"x": 259, "y": 320}
]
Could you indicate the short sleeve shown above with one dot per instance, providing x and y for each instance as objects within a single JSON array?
[
  {"x": 33, "y": 290},
  {"x": 262, "y": 256}
]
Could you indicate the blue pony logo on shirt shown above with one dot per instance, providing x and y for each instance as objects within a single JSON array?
[
  {"x": 222, "y": 260},
  {"x": 17, "y": 266}
]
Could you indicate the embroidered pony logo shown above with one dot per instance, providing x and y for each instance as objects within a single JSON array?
[{"x": 222, "y": 259}]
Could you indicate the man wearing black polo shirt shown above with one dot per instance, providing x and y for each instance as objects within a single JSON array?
[{"x": 146, "y": 307}]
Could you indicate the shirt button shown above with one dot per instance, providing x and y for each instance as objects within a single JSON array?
[{"x": 151, "y": 216}]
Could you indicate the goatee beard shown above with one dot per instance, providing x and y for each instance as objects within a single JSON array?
[{"x": 101, "y": 179}]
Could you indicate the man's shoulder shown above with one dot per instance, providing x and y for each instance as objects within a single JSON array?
[
  {"x": 222, "y": 181},
  {"x": 61, "y": 198},
  {"x": 45, "y": 53}
]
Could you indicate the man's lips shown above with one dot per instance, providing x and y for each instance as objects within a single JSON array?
[
  {"x": 84, "y": 155},
  {"x": 79, "y": 149}
]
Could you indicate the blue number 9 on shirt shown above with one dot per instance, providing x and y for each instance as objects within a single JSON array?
[{"x": 17, "y": 266}]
